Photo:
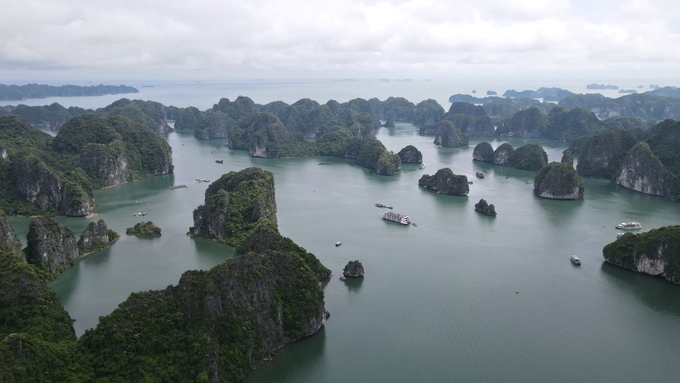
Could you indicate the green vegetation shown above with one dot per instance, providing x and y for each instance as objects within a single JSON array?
[
  {"x": 567, "y": 157},
  {"x": 660, "y": 245},
  {"x": 446, "y": 182},
  {"x": 264, "y": 135},
  {"x": 528, "y": 157},
  {"x": 410, "y": 154},
  {"x": 602, "y": 155},
  {"x": 336, "y": 143},
  {"x": 45, "y": 174},
  {"x": 96, "y": 237},
  {"x": 144, "y": 229},
  {"x": 148, "y": 113},
  {"x": 558, "y": 180},
  {"x": 483, "y": 152}
]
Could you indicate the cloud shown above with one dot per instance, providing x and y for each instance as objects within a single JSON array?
[{"x": 343, "y": 35}]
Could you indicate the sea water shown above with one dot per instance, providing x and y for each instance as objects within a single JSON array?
[{"x": 460, "y": 297}]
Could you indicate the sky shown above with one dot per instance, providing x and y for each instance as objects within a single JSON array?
[{"x": 173, "y": 39}]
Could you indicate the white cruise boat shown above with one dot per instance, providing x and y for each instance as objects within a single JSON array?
[
  {"x": 630, "y": 225},
  {"x": 396, "y": 217}
]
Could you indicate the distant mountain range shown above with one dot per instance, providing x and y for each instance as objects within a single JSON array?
[{"x": 22, "y": 92}]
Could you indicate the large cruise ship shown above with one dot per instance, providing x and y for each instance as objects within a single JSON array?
[{"x": 396, "y": 217}]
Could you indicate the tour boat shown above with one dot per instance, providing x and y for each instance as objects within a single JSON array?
[
  {"x": 396, "y": 217},
  {"x": 630, "y": 225}
]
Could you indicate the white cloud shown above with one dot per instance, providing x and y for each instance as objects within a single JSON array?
[{"x": 343, "y": 35}]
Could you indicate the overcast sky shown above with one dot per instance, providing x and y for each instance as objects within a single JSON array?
[{"x": 418, "y": 38}]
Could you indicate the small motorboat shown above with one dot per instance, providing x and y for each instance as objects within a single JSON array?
[
  {"x": 479, "y": 175},
  {"x": 575, "y": 260},
  {"x": 338, "y": 244}
]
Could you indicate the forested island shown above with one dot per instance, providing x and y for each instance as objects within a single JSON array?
[
  {"x": 214, "y": 325},
  {"x": 22, "y": 92}
]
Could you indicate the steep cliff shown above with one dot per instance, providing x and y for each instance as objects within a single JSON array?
[
  {"x": 483, "y": 152},
  {"x": 48, "y": 188},
  {"x": 9, "y": 241},
  {"x": 234, "y": 204},
  {"x": 656, "y": 252},
  {"x": 373, "y": 155},
  {"x": 642, "y": 171},
  {"x": 502, "y": 154},
  {"x": 558, "y": 180},
  {"x": 50, "y": 246},
  {"x": 484, "y": 207},
  {"x": 470, "y": 119},
  {"x": 567, "y": 158},
  {"x": 214, "y": 125},
  {"x": 527, "y": 123},
  {"x": 602, "y": 156},
  {"x": 264, "y": 135},
  {"x": 95, "y": 237},
  {"x": 447, "y": 134},
  {"x": 428, "y": 112},
  {"x": 446, "y": 182}
]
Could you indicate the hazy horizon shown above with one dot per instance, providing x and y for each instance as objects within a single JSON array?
[{"x": 60, "y": 42}]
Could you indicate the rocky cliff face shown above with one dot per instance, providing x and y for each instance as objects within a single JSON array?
[
  {"x": 558, "y": 180},
  {"x": 484, "y": 207},
  {"x": 527, "y": 123},
  {"x": 39, "y": 184},
  {"x": 51, "y": 246},
  {"x": 656, "y": 252},
  {"x": 95, "y": 235},
  {"x": 448, "y": 135},
  {"x": 446, "y": 182},
  {"x": 353, "y": 269},
  {"x": 9, "y": 240},
  {"x": 601, "y": 156},
  {"x": 106, "y": 163},
  {"x": 642, "y": 171},
  {"x": 502, "y": 154},
  {"x": 216, "y": 126},
  {"x": 483, "y": 152},
  {"x": 233, "y": 205}
]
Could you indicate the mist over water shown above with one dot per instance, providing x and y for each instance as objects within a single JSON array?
[
  {"x": 204, "y": 94},
  {"x": 461, "y": 297}
]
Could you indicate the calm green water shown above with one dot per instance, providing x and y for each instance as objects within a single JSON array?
[{"x": 438, "y": 302}]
